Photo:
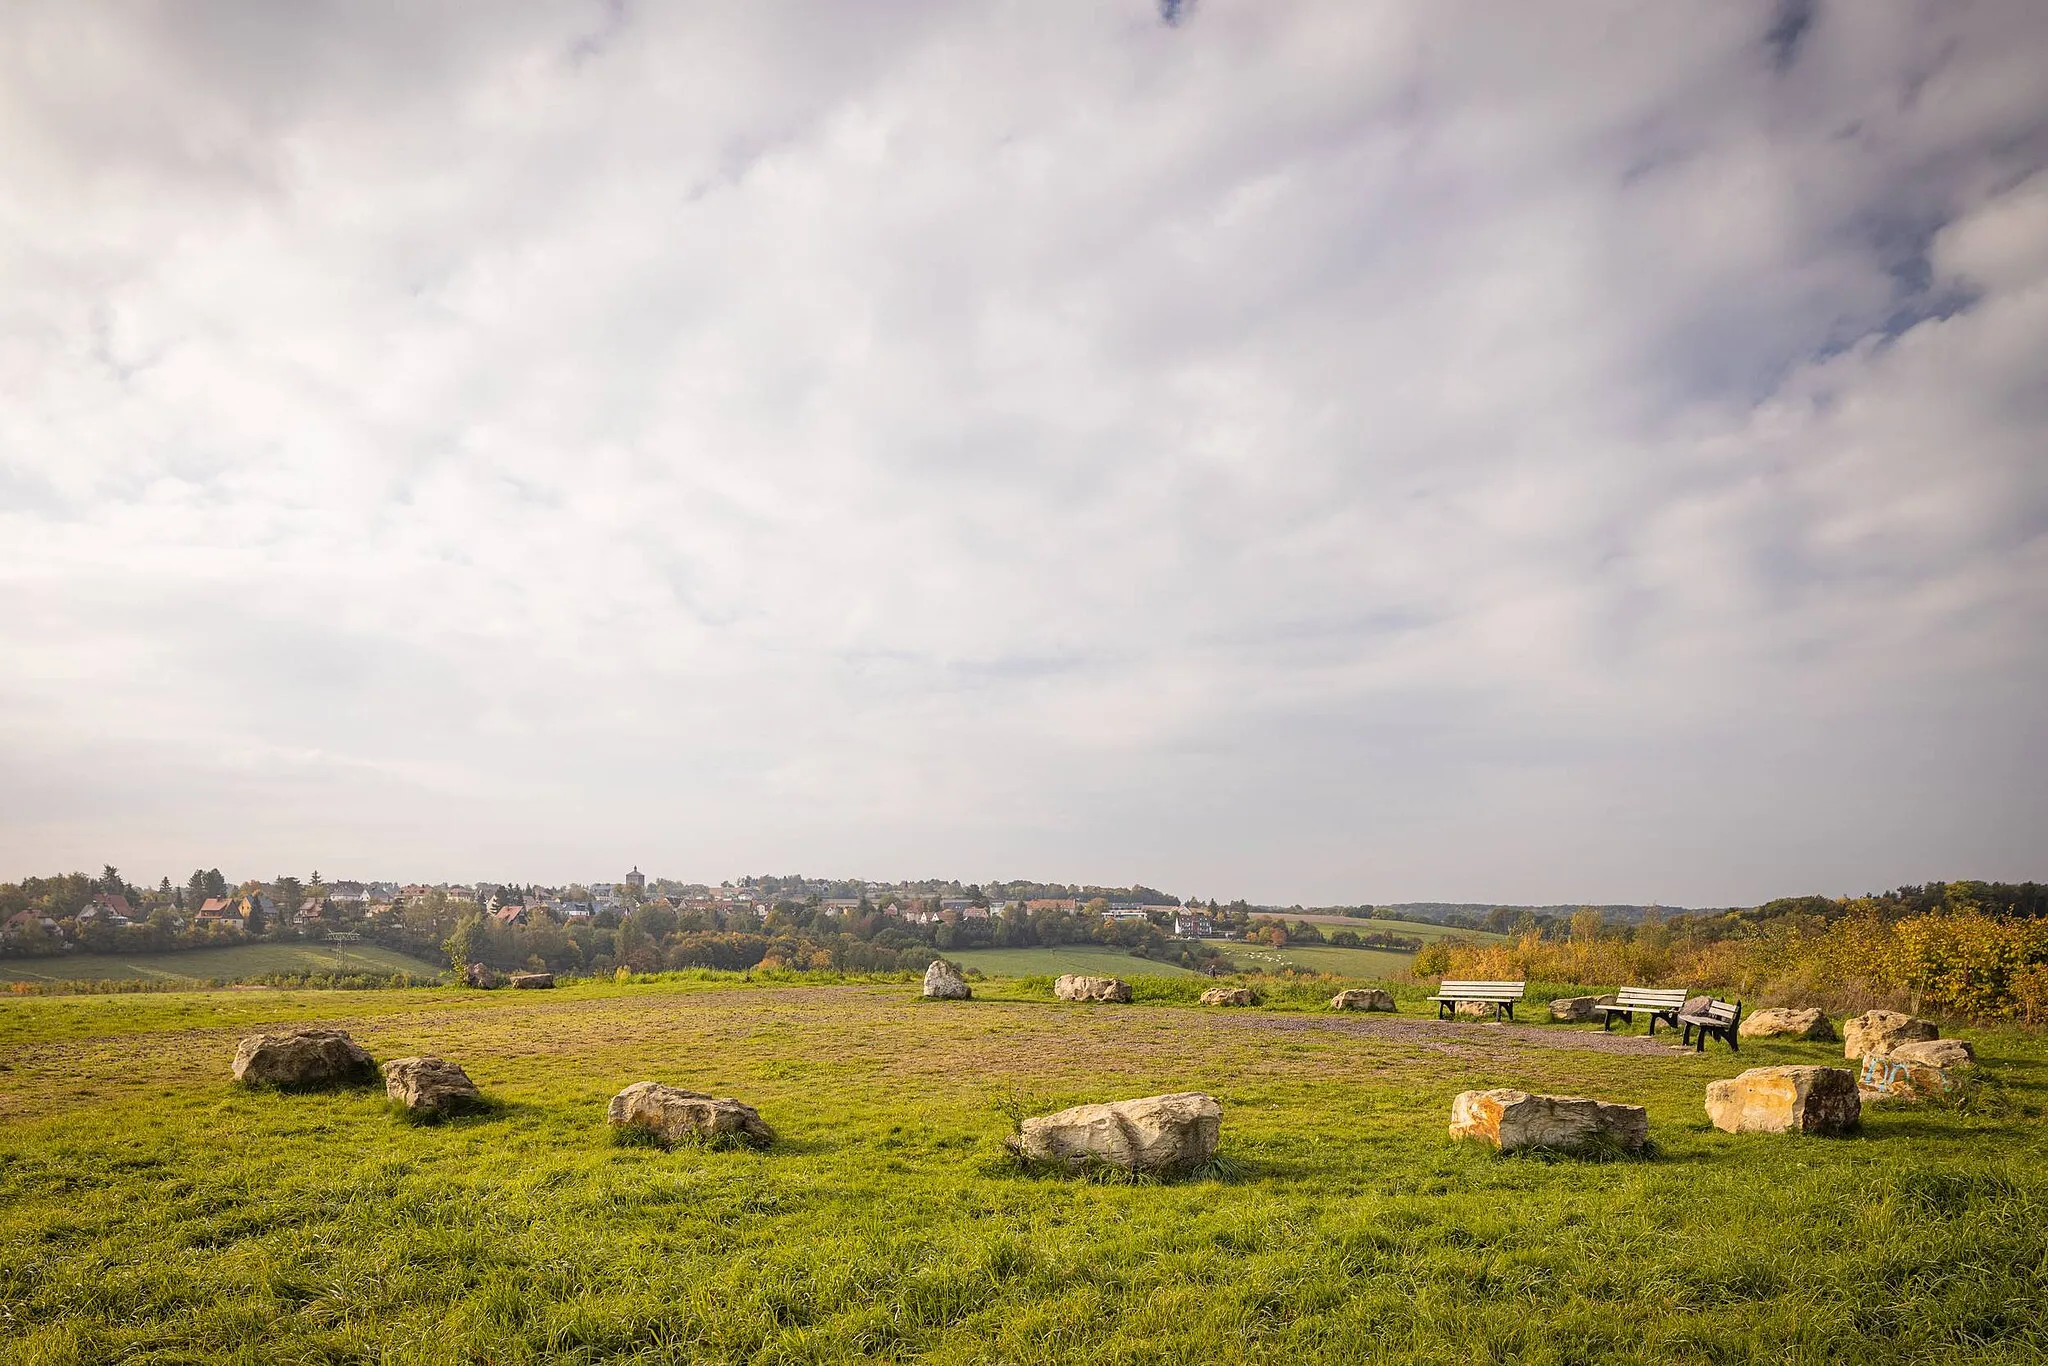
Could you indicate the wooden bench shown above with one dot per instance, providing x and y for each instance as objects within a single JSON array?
[
  {"x": 1716, "y": 1018},
  {"x": 1659, "y": 1003},
  {"x": 1500, "y": 995}
]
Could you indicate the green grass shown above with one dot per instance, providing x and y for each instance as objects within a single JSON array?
[
  {"x": 150, "y": 1211},
  {"x": 1093, "y": 960},
  {"x": 209, "y": 965},
  {"x": 1369, "y": 963},
  {"x": 1414, "y": 929}
]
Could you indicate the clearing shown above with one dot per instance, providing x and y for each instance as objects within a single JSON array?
[
  {"x": 215, "y": 965},
  {"x": 151, "y": 1211}
]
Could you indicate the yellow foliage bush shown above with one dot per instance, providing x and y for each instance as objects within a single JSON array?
[{"x": 1959, "y": 962}]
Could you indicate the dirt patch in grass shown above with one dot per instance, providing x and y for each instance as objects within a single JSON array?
[{"x": 1456, "y": 1036}]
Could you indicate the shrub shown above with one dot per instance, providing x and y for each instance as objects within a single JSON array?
[{"x": 1961, "y": 962}]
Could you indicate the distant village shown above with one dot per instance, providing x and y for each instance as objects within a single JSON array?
[{"x": 75, "y": 912}]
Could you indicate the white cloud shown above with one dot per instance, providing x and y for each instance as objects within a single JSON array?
[{"x": 1343, "y": 452}]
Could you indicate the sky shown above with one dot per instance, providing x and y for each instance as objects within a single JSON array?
[{"x": 1324, "y": 452}]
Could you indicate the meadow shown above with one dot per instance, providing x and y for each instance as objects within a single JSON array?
[
  {"x": 1424, "y": 930},
  {"x": 1087, "y": 959},
  {"x": 1100, "y": 960},
  {"x": 152, "y": 1211},
  {"x": 210, "y": 965},
  {"x": 1322, "y": 958}
]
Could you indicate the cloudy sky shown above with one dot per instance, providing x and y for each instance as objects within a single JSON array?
[{"x": 1313, "y": 451}]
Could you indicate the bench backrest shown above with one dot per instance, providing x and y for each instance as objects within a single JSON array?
[
  {"x": 1720, "y": 1010},
  {"x": 1483, "y": 991},
  {"x": 1651, "y": 998}
]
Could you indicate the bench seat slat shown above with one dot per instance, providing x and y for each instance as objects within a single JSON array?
[{"x": 1647, "y": 997}]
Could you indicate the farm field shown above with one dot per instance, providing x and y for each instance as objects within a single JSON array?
[
  {"x": 1416, "y": 929},
  {"x": 151, "y": 1211},
  {"x": 1089, "y": 959},
  {"x": 209, "y": 965}
]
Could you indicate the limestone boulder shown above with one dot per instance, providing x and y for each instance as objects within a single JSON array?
[
  {"x": 303, "y": 1059},
  {"x": 1362, "y": 998},
  {"x": 1880, "y": 1031},
  {"x": 481, "y": 976},
  {"x": 1932, "y": 1068},
  {"x": 1782, "y": 1023},
  {"x": 1478, "y": 1010},
  {"x": 532, "y": 981},
  {"x": 1934, "y": 1053},
  {"x": 1074, "y": 988},
  {"x": 1229, "y": 996},
  {"x": 1579, "y": 1009},
  {"x": 1510, "y": 1120},
  {"x": 1167, "y": 1135},
  {"x": 943, "y": 982},
  {"x": 672, "y": 1116},
  {"x": 1782, "y": 1100},
  {"x": 430, "y": 1086}
]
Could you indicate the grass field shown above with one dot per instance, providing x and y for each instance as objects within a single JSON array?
[
  {"x": 1096, "y": 960},
  {"x": 211, "y": 965},
  {"x": 150, "y": 1211},
  {"x": 1414, "y": 929},
  {"x": 1088, "y": 959},
  {"x": 1317, "y": 958}
]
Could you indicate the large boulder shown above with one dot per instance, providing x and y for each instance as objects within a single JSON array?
[
  {"x": 1779, "y": 1100},
  {"x": 671, "y": 1116},
  {"x": 1880, "y": 1031},
  {"x": 1074, "y": 988},
  {"x": 1579, "y": 1009},
  {"x": 943, "y": 982},
  {"x": 1510, "y": 1119},
  {"x": 532, "y": 981},
  {"x": 1362, "y": 998},
  {"x": 1229, "y": 996},
  {"x": 1932, "y": 1068},
  {"x": 430, "y": 1086},
  {"x": 482, "y": 976},
  {"x": 1782, "y": 1023},
  {"x": 1164, "y": 1134},
  {"x": 303, "y": 1059},
  {"x": 1478, "y": 1010},
  {"x": 1934, "y": 1053}
]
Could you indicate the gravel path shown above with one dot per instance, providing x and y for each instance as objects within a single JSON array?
[{"x": 1458, "y": 1036}]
